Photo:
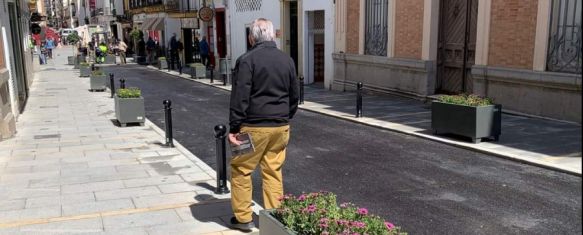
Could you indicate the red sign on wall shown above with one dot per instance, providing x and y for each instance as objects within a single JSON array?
[{"x": 91, "y": 4}]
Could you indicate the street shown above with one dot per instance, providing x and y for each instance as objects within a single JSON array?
[{"x": 423, "y": 186}]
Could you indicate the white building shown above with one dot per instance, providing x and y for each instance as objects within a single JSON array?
[{"x": 304, "y": 30}]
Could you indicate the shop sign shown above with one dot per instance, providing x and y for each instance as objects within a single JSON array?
[
  {"x": 206, "y": 14},
  {"x": 189, "y": 23}
]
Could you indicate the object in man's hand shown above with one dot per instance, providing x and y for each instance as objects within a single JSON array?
[{"x": 245, "y": 147}]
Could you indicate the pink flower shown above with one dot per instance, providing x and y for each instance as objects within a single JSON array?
[
  {"x": 362, "y": 211},
  {"x": 325, "y": 233},
  {"x": 302, "y": 197},
  {"x": 389, "y": 225},
  {"x": 358, "y": 224},
  {"x": 311, "y": 208},
  {"x": 344, "y": 205}
]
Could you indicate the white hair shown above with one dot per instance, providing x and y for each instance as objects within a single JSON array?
[{"x": 262, "y": 30}]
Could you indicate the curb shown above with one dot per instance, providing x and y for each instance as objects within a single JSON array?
[{"x": 499, "y": 154}]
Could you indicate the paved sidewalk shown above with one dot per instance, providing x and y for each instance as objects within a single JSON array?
[
  {"x": 547, "y": 143},
  {"x": 70, "y": 170}
]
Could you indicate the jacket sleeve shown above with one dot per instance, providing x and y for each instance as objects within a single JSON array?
[
  {"x": 293, "y": 92},
  {"x": 240, "y": 95}
]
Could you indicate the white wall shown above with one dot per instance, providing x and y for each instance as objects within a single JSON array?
[
  {"x": 328, "y": 7},
  {"x": 270, "y": 9}
]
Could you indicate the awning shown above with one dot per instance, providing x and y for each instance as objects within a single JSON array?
[
  {"x": 146, "y": 24},
  {"x": 158, "y": 25}
]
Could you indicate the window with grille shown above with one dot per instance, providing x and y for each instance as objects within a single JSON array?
[
  {"x": 376, "y": 27},
  {"x": 248, "y": 5},
  {"x": 564, "y": 52}
]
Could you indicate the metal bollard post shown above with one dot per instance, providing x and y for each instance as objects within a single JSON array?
[
  {"x": 224, "y": 80},
  {"x": 212, "y": 73},
  {"x": 359, "y": 99},
  {"x": 168, "y": 121},
  {"x": 301, "y": 89},
  {"x": 122, "y": 83},
  {"x": 220, "y": 138},
  {"x": 92, "y": 67},
  {"x": 111, "y": 84}
]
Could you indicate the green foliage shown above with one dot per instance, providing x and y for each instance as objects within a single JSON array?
[
  {"x": 468, "y": 100},
  {"x": 318, "y": 213},
  {"x": 98, "y": 73},
  {"x": 135, "y": 34},
  {"x": 132, "y": 92},
  {"x": 161, "y": 58},
  {"x": 73, "y": 38}
]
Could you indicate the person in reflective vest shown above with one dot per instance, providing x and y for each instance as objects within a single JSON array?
[{"x": 102, "y": 53}]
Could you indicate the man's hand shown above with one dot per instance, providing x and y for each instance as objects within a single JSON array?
[{"x": 233, "y": 139}]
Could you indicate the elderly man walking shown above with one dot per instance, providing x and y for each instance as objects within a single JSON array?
[{"x": 263, "y": 100}]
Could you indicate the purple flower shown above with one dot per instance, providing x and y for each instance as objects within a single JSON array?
[
  {"x": 362, "y": 211},
  {"x": 302, "y": 197},
  {"x": 311, "y": 208},
  {"x": 358, "y": 224},
  {"x": 325, "y": 233},
  {"x": 389, "y": 225},
  {"x": 344, "y": 205}
]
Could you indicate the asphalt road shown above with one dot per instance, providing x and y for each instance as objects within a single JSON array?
[{"x": 423, "y": 186}]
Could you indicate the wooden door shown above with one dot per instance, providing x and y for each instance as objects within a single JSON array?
[{"x": 457, "y": 46}]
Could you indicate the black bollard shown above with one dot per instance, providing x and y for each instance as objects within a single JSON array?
[
  {"x": 224, "y": 80},
  {"x": 359, "y": 99},
  {"x": 221, "y": 140},
  {"x": 122, "y": 83},
  {"x": 212, "y": 73},
  {"x": 301, "y": 89},
  {"x": 111, "y": 84},
  {"x": 92, "y": 67},
  {"x": 168, "y": 120}
]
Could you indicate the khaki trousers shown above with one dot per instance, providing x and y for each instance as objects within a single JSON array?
[{"x": 270, "y": 145}]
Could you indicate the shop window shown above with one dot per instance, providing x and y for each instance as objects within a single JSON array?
[{"x": 564, "y": 52}]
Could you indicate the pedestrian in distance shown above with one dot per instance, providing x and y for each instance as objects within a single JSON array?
[
  {"x": 264, "y": 98},
  {"x": 150, "y": 46},
  {"x": 180, "y": 48},
  {"x": 50, "y": 45},
  {"x": 203, "y": 47},
  {"x": 174, "y": 52},
  {"x": 122, "y": 48}
]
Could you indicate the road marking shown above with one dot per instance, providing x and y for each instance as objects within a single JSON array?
[{"x": 104, "y": 214}]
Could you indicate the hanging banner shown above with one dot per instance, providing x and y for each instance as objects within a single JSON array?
[{"x": 92, "y": 4}]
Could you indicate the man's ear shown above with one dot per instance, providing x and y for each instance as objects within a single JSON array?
[{"x": 251, "y": 41}]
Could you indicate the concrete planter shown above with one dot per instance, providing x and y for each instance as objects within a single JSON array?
[
  {"x": 71, "y": 60},
  {"x": 129, "y": 110},
  {"x": 271, "y": 226},
  {"x": 110, "y": 59},
  {"x": 84, "y": 70},
  {"x": 79, "y": 59},
  {"x": 472, "y": 122},
  {"x": 162, "y": 64},
  {"x": 97, "y": 82}
]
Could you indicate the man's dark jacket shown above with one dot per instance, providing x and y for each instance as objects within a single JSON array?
[{"x": 265, "y": 88}]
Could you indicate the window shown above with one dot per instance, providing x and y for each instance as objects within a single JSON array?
[
  {"x": 376, "y": 27},
  {"x": 564, "y": 52},
  {"x": 2, "y": 62}
]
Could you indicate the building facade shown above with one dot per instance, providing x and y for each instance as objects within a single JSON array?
[
  {"x": 15, "y": 63},
  {"x": 525, "y": 54}
]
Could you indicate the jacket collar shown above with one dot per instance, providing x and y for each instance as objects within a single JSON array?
[{"x": 264, "y": 44}]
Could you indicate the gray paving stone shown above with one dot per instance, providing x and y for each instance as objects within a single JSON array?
[
  {"x": 126, "y": 193},
  {"x": 16, "y": 204},
  {"x": 141, "y": 219},
  {"x": 92, "y": 187},
  {"x": 188, "y": 228},
  {"x": 195, "y": 177},
  {"x": 153, "y": 181},
  {"x": 83, "y": 226},
  {"x": 123, "y": 176},
  {"x": 165, "y": 199},
  {"x": 116, "y": 162},
  {"x": 128, "y": 231},
  {"x": 18, "y": 193},
  {"x": 97, "y": 171},
  {"x": 33, "y": 213},
  {"x": 64, "y": 199},
  {"x": 178, "y": 187},
  {"x": 58, "y": 181},
  {"x": 98, "y": 206}
]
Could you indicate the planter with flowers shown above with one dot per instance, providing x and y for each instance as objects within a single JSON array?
[
  {"x": 318, "y": 213},
  {"x": 97, "y": 81},
  {"x": 129, "y": 106},
  {"x": 84, "y": 69},
  {"x": 467, "y": 115},
  {"x": 162, "y": 63}
]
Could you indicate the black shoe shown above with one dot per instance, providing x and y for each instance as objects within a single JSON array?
[{"x": 245, "y": 227}]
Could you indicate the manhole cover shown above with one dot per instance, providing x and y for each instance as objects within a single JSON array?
[{"x": 36, "y": 137}]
